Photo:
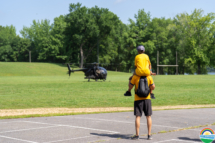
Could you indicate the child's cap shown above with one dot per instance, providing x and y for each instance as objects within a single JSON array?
[{"x": 141, "y": 48}]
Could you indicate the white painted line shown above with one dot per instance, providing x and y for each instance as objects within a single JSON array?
[
  {"x": 39, "y": 123},
  {"x": 195, "y": 130},
  {"x": 105, "y": 120},
  {"x": 89, "y": 128},
  {"x": 166, "y": 126},
  {"x": 69, "y": 139},
  {"x": 102, "y": 140},
  {"x": 17, "y": 139},
  {"x": 4, "y": 122},
  {"x": 10, "y": 122},
  {"x": 133, "y": 123},
  {"x": 164, "y": 141},
  {"x": 28, "y": 129},
  {"x": 185, "y": 141},
  {"x": 79, "y": 138},
  {"x": 124, "y": 122},
  {"x": 175, "y": 140},
  {"x": 72, "y": 126}
]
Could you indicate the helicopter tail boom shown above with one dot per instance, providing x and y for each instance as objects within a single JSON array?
[{"x": 69, "y": 72}]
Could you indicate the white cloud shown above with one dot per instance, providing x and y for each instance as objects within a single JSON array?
[{"x": 119, "y": 1}]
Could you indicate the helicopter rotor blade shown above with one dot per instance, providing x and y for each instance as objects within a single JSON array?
[{"x": 69, "y": 72}]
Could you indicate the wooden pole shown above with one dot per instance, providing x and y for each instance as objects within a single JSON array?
[
  {"x": 167, "y": 65},
  {"x": 176, "y": 63},
  {"x": 98, "y": 51},
  {"x": 157, "y": 62}
]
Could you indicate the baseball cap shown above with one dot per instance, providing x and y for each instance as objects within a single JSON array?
[{"x": 140, "y": 48}]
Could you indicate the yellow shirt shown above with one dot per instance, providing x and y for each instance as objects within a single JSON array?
[
  {"x": 142, "y": 63},
  {"x": 135, "y": 81}
]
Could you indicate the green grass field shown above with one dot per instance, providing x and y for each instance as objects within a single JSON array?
[{"x": 35, "y": 85}]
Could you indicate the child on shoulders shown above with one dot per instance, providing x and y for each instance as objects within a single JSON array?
[{"x": 142, "y": 67}]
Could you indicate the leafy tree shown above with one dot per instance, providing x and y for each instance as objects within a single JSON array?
[
  {"x": 195, "y": 33},
  {"x": 7, "y": 36},
  {"x": 77, "y": 36},
  {"x": 139, "y": 34},
  {"x": 114, "y": 48},
  {"x": 211, "y": 49},
  {"x": 80, "y": 28},
  {"x": 160, "y": 37},
  {"x": 21, "y": 50},
  {"x": 58, "y": 39},
  {"x": 87, "y": 27},
  {"x": 40, "y": 35}
]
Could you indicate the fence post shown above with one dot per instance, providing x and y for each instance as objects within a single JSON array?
[{"x": 157, "y": 62}]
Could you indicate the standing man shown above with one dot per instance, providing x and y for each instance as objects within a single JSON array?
[{"x": 142, "y": 104}]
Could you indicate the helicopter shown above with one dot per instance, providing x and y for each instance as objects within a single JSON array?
[{"x": 93, "y": 72}]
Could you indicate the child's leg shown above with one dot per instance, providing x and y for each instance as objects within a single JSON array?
[
  {"x": 147, "y": 72},
  {"x": 130, "y": 86}
]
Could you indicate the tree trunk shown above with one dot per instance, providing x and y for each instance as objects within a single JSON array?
[
  {"x": 82, "y": 56},
  {"x": 183, "y": 70},
  {"x": 199, "y": 69}
]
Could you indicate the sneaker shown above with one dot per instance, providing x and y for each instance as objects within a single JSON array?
[
  {"x": 149, "y": 137},
  {"x": 152, "y": 96},
  {"x": 127, "y": 93},
  {"x": 135, "y": 137}
]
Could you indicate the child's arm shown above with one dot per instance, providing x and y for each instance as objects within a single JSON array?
[
  {"x": 152, "y": 73},
  {"x": 150, "y": 68}
]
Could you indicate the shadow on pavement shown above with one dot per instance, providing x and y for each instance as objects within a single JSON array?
[
  {"x": 117, "y": 136},
  {"x": 189, "y": 139}
]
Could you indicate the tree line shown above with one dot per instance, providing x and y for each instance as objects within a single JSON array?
[{"x": 84, "y": 32}]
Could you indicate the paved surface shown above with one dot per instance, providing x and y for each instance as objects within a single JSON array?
[{"x": 107, "y": 127}]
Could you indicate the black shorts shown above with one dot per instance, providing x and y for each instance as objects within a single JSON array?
[{"x": 141, "y": 106}]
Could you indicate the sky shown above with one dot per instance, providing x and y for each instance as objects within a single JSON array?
[{"x": 21, "y": 13}]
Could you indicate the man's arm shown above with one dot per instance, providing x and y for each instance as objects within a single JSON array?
[
  {"x": 152, "y": 86},
  {"x": 150, "y": 68}
]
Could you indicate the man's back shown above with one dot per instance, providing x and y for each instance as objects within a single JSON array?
[{"x": 135, "y": 81}]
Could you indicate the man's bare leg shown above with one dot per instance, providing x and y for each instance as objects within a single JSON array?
[
  {"x": 137, "y": 125},
  {"x": 149, "y": 124}
]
